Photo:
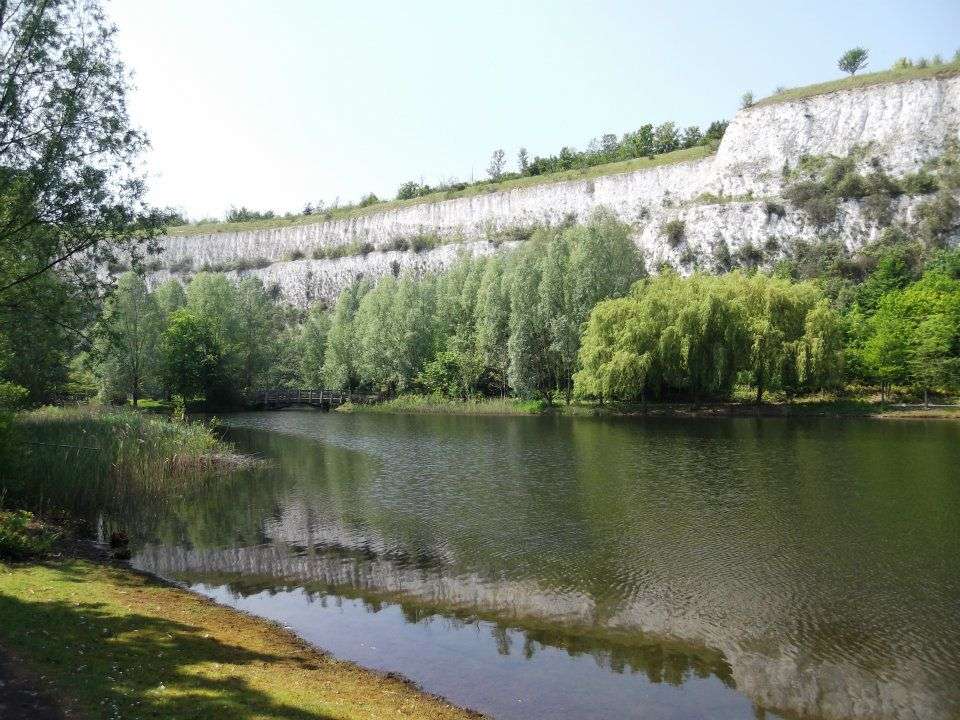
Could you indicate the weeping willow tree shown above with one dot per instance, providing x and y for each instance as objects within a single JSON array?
[{"x": 696, "y": 336}]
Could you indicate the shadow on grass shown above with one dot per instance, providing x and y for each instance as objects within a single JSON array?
[{"x": 132, "y": 665}]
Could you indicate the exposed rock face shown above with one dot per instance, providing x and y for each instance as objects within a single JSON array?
[{"x": 901, "y": 124}]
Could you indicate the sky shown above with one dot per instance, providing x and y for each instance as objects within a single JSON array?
[{"x": 273, "y": 105}]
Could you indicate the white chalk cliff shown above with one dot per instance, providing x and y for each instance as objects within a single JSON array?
[{"x": 902, "y": 125}]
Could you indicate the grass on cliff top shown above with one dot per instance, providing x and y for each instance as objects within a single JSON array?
[
  {"x": 624, "y": 166},
  {"x": 897, "y": 75},
  {"x": 108, "y": 642}
]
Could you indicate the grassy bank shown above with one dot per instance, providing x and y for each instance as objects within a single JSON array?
[
  {"x": 895, "y": 75},
  {"x": 436, "y": 405},
  {"x": 625, "y": 166},
  {"x": 109, "y": 642},
  {"x": 818, "y": 405}
]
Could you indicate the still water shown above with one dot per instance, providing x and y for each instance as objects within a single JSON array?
[{"x": 561, "y": 568}]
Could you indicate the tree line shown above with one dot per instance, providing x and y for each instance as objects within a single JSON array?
[
  {"x": 571, "y": 313},
  {"x": 647, "y": 141}
]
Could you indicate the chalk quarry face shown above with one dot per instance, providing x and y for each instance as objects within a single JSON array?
[{"x": 722, "y": 198}]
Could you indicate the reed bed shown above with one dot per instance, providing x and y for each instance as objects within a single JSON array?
[{"x": 84, "y": 458}]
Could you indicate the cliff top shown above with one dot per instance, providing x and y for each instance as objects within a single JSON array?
[
  {"x": 624, "y": 166},
  {"x": 855, "y": 82},
  {"x": 897, "y": 75}
]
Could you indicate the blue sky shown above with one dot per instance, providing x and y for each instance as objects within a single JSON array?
[{"x": 271, "y": 105}]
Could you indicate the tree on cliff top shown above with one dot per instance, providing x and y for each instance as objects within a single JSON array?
[
  {"x": 853, "y": 60},
  {"x": 497, "y": 161}
]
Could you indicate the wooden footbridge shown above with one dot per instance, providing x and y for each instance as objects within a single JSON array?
[{"x": 323, "y": 399}]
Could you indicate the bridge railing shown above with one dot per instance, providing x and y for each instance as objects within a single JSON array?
[{"x": 282, "y": 397}]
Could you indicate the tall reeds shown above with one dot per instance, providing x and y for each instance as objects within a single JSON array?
[{"x": 84, "y": 458}]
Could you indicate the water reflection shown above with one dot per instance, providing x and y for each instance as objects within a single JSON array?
[{"x": 808, "y": 568}]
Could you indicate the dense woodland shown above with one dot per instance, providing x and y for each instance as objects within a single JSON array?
[{"x": 571, "y": 313}]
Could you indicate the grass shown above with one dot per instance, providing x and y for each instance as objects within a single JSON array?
[
  {"x": 436, "y": 405},
  {"x": 625, "y": 166},
  {"x": 897, "y": 75},
  {"x": 86, "y": 457},
  {"x": 109, "y": 642},
  {"x": 860, "y": 402}
]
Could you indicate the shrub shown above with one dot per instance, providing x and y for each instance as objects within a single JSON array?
[
  {"x": 674, "y": 231},
  {"x": 746, "y": 100},
  {"x": 368, "y": 200},
  {"x": 22, "y": 537},
  {"x": 400, "y": 244},
  {"x": 822, "y": 210},
  {"x": 853, "y": 60},
  {"x": 851, "y": 186},
  {"x": 291, "y": 255},
  {"x": 774, "y": 210},
  {"x": 920, "y": 183},
  {"x": 937, "y": 218},
  {"x": 424, "y": 241},
  {"x": 903, "y": 63},
  {"x": 748, "y": 255},
  {"x": 799, "y": 193}
]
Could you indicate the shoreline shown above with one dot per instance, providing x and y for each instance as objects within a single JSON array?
[
  {"x": 425, "y": 405},
  {"x": 144, "y": 644}
]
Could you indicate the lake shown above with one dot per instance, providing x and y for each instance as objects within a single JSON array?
[{"x": 556, "y": 567}]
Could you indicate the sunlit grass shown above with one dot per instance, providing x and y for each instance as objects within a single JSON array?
[
  {"x": 110, "y": 643},
  {"x": 436, "y": 405},
  {"x": 943, "y": 71}
]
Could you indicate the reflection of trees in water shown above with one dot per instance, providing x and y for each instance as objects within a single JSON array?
[
  {"x": 772, "y": 675},
  {"x": 660, "y": 660},
  {"x": 743, "y": 535}
]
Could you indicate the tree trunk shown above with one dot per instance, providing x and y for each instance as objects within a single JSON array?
[
  {"x": 759, "y": 393},
  {"x": 926, "y": 402}
]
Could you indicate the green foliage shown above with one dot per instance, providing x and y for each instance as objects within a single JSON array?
[
  {"x": 674, "y": 231},
  {"x": 128, "y": 334},
  {"x": 920, "y": 183},
  {"x": 853, "y": 60},
  {"x": 22, "y": 537},
  {"x": 90, "y": 458},
  {"x": 937, "y": 218},
  {"x": 192, "y": 359},
  {"x": 694, "y": 336}
]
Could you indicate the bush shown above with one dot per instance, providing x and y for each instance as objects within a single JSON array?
[
  {"x": 822, "y": 210},
  {"x": 774, "y": 210},
  {"x": 920, "y": 183},
  {"x": 296, "y": 254},
  {"x": 937, "y": 218},
  {"x": 674, "y": 231},
  {"x": 368, "y": 200},
  {"x": 22, "y": 537},
  {"x": 851, "y": 186}
]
